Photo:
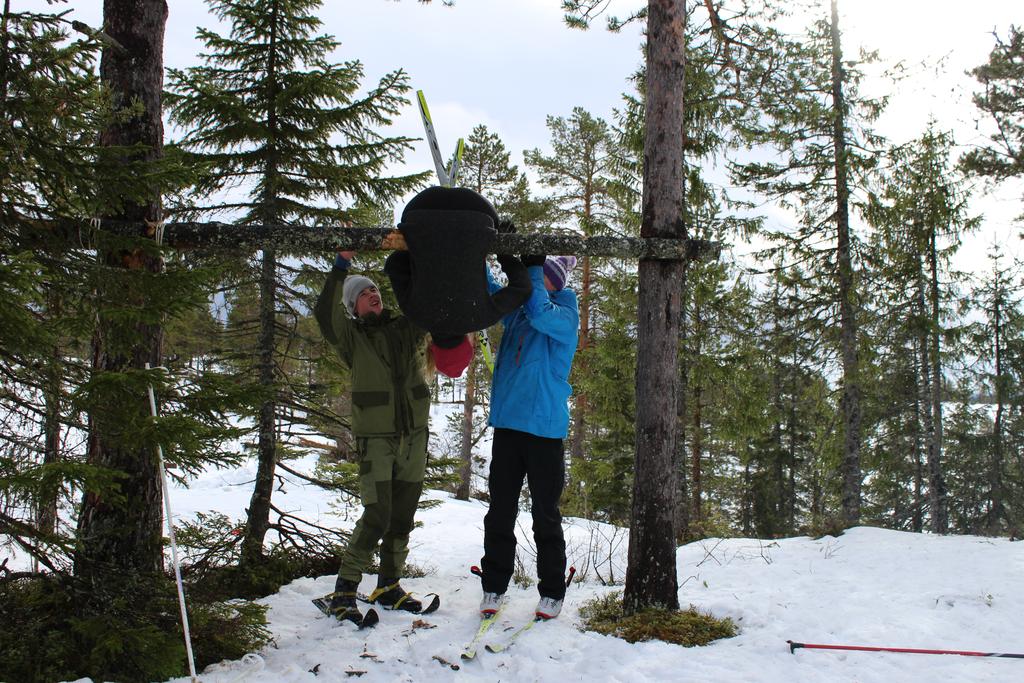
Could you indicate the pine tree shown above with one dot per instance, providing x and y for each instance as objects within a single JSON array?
[
  {"x": 997, "y": 341},
  {"x": 969, "y": 429},
  {"x": 81, "y": 313},
  {"x": 813, "y": 116},
  {"x": 783, "y": 424},
  {"x": 267, "y": 111},
  {"x": 920, "y": 217},
  {"x": 50, "y": 169},
  {"x": 579, "y": 169},
  {"x": 713, "y": 98},
  {"x": 1002, "y": 99},
  {"x": 651, "y": 572},
  {"x": 127, "y": 534}
]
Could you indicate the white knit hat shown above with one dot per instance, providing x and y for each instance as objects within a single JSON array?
[{"x": 353, "y": 287}]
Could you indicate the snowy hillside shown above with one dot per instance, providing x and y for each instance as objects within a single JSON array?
[{"x": 867, "y": 587}]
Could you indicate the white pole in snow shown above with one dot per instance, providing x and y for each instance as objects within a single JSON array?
[{"x": 174, "y": 545}]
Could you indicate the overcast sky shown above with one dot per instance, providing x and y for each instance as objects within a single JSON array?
[{"x": 510, "y": 63}]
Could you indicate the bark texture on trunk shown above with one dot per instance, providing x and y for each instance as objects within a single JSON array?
[
  {"x": 651, "y": 571},
  {"x": 258, "y": 518},
  {"x": 122, "y": 535}
]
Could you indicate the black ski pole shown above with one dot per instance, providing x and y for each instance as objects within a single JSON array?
[{"x": 793, "y": 645}]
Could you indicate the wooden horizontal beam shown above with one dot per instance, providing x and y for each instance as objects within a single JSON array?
[{"x": 303, "y": 239}]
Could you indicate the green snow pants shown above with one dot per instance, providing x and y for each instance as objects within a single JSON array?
[{"x": 390, "y": 482}]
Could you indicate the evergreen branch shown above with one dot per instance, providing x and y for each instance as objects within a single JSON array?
[
  {"x": 20, "y": 531},
  {"x": 322, "y": 483}
]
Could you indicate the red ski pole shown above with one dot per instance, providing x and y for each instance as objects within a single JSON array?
[{"x": 793, "y": 645}]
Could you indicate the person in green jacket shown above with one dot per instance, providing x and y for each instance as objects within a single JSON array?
[{"x": 390, "y": 405}]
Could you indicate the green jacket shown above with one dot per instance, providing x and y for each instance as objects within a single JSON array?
[{"x": 384, "y": 353}]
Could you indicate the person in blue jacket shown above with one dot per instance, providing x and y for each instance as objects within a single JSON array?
[{"x": 530, "y": 416}]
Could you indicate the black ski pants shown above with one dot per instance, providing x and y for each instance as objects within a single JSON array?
[{"x": 515, "y": 455}]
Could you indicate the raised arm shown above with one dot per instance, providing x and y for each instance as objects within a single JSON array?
[
  {"x": 555, "y": 315},
  {"x": 330, "y": 313}
]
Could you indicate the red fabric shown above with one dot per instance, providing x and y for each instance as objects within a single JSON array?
[{"x": 453, "y": 362}]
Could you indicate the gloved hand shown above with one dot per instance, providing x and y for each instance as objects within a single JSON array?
[
  {"x": 506, "y": 226},
  {"x": 508, "y": 261},
  {"x": 533, "y": 259}
]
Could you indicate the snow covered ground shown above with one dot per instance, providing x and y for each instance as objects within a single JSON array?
[{"x": 867, "y": 587}]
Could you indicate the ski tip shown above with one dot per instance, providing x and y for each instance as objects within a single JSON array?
[
  {"x": 369, "y": 620},
  {"x": 493, "y": 649},
  {"x": 323, "y": 604},
  {"x": 421, "y": 98},
  {"x": 434, "y": 604}
]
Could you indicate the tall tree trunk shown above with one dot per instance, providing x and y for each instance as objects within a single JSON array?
[
  {"x": 924, "y": 387},
  {"x": 258, "y": 518},
  {"x": 791, "y": 429},
  {"x": 746, "y": 502},
  {"x": 817, "y": 497},
  {"x": 581, "y": 407},
  {"x": 466, "y": 448},
  {"x": 997, "y": 509},
  {"x": 682, "y": 504},
  {"x": 936, "y": 478},
  {"x": 696, "y": 457},
  {"x": 917, "y": 516},
  {"x": 791, "y": 498},
  {"x": 851, "y": 471},
  {"x": 122, "y": 536},
  {"x": 695, "y": 393},
  {"x": 46, "y": 506},
  {"x": 651, "y": 570}
]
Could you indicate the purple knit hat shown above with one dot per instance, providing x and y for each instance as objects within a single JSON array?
[{"x": 557, "y": 269}]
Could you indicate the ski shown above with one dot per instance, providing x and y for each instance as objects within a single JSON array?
[
  {"x": 435, "y": 150},
  {"x": 369, "y": 619},
  {"x": 469, "y": 652},
  {"x": 453, "y": 171},
  {"x": 511, "y": 640},
  {"x": 430, "y": 607},
  {"x": 485, "y": 348}
]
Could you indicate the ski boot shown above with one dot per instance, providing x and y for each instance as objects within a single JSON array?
[{"x": 343, "y": 602}]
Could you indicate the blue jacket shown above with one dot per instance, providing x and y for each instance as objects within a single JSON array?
[{"x": 530, "y": 392}]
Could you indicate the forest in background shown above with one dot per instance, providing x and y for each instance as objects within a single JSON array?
[{"x": 847, "y": 375}]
